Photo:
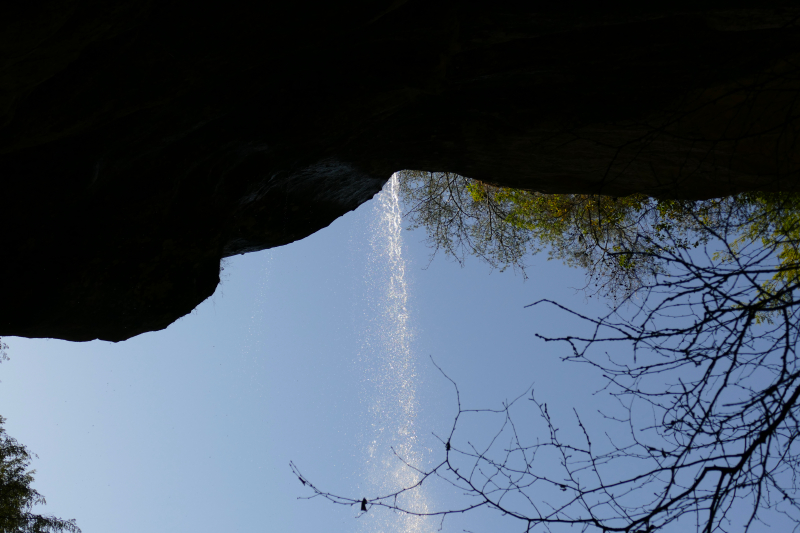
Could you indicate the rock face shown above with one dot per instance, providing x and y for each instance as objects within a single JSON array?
[{"x": 142, "y": 141}]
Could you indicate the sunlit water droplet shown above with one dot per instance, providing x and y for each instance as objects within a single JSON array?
[{"x": 391, "y": 376}]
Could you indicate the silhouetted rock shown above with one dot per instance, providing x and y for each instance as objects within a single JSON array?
[{"x": 142, "y": 141}]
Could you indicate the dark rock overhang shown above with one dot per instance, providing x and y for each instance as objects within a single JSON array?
[{"x": 142, "y": 141}]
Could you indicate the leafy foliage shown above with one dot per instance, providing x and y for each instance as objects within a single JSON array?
[
  {"x": 702, "y": 359},
  {"x": 618, "y": 241},
  {"x": 459, "y": 221},
  {"x": 774, "y": 222},
  {"x": 17, "y": 498}
]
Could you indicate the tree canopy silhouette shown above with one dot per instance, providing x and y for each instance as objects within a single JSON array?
[
  {"x": 17, "y": 497},
  {"x": 701, "y": 335},
  {"x": 616, "y": 240}
]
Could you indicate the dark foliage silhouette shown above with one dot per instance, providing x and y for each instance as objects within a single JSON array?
[
  {"x": 17, "y": 497},
  {"x": 706, "y": 347}
]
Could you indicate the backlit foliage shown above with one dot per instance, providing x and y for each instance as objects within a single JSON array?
[
  {"x": 618, "y": 241},
  {"x": 701, "y": 355}
]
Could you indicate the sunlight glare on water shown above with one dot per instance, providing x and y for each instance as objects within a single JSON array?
[{"x": 390, "y": 375}]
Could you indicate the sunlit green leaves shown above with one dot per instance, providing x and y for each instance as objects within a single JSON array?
[{"x": 620, "y": 242}]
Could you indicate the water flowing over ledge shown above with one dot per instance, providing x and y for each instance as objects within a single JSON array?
[{"x": 390, "y": 373}]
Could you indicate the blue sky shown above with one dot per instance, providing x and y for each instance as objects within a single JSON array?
[{"x": 192, "y": 428}]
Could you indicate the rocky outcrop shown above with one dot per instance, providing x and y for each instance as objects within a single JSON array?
[{"x": 142, "y": 141}]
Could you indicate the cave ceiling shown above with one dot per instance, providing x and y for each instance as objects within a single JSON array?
[{"x": 143, "y": 141}]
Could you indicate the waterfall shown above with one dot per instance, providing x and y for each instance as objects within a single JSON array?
[{"x": 390, "y": 374}]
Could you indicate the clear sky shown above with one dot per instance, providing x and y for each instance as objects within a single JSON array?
[{"x": 301, "y": 355}]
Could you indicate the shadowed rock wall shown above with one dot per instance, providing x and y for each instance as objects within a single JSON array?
[{"x": 141, "y": 142}]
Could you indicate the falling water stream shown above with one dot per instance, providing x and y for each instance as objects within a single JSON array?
[{"x": 390, "y": 375}]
